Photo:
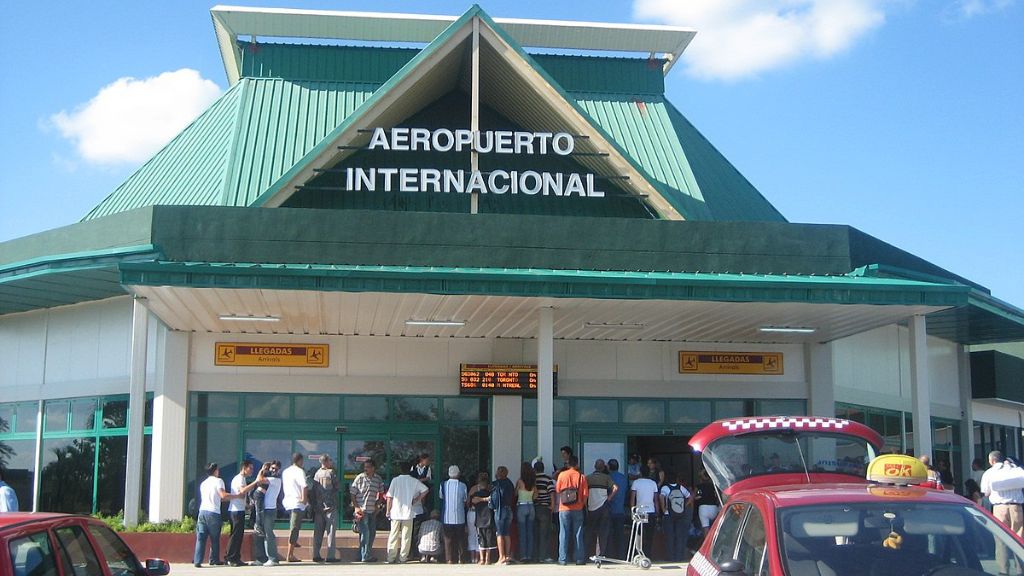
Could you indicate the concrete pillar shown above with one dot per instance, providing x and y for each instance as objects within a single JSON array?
[
  {"x": 545, "y": 385},
  {"x": 136, "y": 413},
  {"x": 170, "y": 427},
  {"x": 920, "y": 387},
  {"x": 821, "y": 389},
  {"x": 966, "y": 415},
  {"x": 507, "y": 434}
]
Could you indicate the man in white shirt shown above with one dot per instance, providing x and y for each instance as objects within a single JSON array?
[
  {"x": 293, "y": 482},
  {"x": 453, "y": 496},
  {"x": 642, "y": 495},
  {"x": 265, "y": 540},
  {"x": 211, "y": 493},
  {"x": 1006, "y": 504},
  {"x": 236, "y": 513},
  {"x": 8, "y": 498},
  {"x": 403, "y": 494}
]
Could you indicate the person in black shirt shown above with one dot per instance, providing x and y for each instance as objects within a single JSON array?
[
  {"x": 480, "y": 499},
  {"x": 706, "y": 501},
  {"x": 502, "y": 499}
]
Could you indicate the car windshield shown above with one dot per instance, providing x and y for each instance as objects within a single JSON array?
[
  {"x": 893, "y": 538},
  {"x": 734, "y": 458}
]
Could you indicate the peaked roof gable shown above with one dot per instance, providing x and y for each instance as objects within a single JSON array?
[{"x": 537, "y": 102}]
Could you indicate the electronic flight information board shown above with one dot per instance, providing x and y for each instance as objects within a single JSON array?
[{"x": 501, "y": 379}]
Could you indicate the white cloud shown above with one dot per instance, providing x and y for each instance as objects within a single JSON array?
[
  {"x": 740, "y": 38},
  {"x": 966, "y": 9},
  {"x": 129, "y": 119}
]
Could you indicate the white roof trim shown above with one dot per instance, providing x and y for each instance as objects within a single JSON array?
[{"x": 231, "y": 22}]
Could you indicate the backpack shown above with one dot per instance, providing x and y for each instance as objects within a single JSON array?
[
  {"x": 312, "y": 491},
  {"x": 676, "y": 500}
]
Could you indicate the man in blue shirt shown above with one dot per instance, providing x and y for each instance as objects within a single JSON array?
[
  {"x": 617, "y": 534},
  {"x": 8, "y": 499}
]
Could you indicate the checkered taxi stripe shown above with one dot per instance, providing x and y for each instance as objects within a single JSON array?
[
  {"x": 806, "y": 422},
  {"x": 702, "y": 565}
]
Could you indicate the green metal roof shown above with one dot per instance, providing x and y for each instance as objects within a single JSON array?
[{"x": 299, "y": 94}]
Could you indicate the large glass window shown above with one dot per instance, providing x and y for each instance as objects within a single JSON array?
[
  {"x": 56, "y": 416},
  {"x": 19, "y": 458},
  {"x": 317, "y": 407},
  {"x": 268, "y": 406},
  {"x": 25, "y": 416},
  {"x": 415, "y": 409},
  {"x": 597, "y": 410},
  {"x": 66, "y": 476},
  {"x": 214, "y": 405},
  {"x": 83, "y": 414},
  {"x": 643, "y": 411},
  {"x": 115, "y": 413},
  {"x": 470, "y": 409},
  {"x": 110, "y": 480},
  {"x": 689, "y": 412},
  {"x": 365, "y": 408}
]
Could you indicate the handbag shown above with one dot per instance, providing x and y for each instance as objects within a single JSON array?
[{"x": 570, "y": 495}]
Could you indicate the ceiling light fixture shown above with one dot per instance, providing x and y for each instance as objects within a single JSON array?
[
  {"x": 249, "y": 318},
  {"x": 435, "y": 323},
  {"x": 788, "y": 329},
  {"x": 615, "y": 325}
]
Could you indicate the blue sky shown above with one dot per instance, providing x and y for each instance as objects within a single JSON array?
[{"x": 902, "y": 118}]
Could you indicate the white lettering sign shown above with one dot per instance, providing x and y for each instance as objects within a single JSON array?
[{"x": 528, "y": 182}]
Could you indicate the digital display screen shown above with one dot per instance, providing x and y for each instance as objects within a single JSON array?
[{"x": 501, "y": 379}]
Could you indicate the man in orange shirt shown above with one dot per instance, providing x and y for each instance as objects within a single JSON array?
[{"x": 572, "y": 492}]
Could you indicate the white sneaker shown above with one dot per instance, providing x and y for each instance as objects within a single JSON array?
[{"x": 270, "y": 562}]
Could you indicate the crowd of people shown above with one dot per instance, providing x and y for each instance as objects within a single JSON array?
[{"x": 562, "y": 517}]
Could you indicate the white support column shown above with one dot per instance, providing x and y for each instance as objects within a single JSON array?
[
  {"x": 507, "y": 433},
  {"x": 136, "y": 413},
  {"x": 170, "y": 427},
  {"x": 920, "y": 387},
  {"x": 474, "y": 114},
  {"x": 966, "y": 439},
  {"x": 545, "y": 386},
  {"x": 40, "y": 415},
  {"x": 821, "y": 384}
]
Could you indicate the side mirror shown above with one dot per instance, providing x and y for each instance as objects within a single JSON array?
[
  {"x": 732, "y": 567},
  {"x": 157, "y": 567}
]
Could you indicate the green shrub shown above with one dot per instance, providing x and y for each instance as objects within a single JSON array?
[{"x": 116, "y": 523}]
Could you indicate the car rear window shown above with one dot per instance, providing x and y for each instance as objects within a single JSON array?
[
  {"x": 32, "y": 556},
  {"x": 119, "y": 557}
]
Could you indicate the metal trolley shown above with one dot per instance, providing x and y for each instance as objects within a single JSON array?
[{"x": 635, "y": 553}]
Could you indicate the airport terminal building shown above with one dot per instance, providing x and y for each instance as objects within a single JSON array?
[{"x": 474, "y": 237}]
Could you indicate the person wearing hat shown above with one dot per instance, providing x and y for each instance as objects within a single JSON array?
[{"x": 453, "y": 495}]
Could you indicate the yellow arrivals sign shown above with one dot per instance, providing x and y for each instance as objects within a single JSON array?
[
  {"x": 287, "y": 355},
  {"x": 766, "y": 363}
]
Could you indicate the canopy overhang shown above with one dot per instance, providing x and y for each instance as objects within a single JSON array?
[{"x": 232, "y": 22}]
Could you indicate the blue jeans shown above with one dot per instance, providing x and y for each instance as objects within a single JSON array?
[
  {"x": 570, "y": 525},
  {"x": 525, "y": 518},
  {"x": 367, "y": 532},
  {"x": 265, "y": 540},
  {"x": 208, "y": 526}
]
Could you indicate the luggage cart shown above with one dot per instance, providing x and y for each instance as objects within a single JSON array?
[{"x": 635, "y": 552}]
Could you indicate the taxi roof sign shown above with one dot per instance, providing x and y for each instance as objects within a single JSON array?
[{"x": 897, "y": 469}]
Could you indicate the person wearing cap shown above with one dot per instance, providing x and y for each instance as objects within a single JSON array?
[
  {"x": 211, "y": 493},
  {"x": 453, "y": 495}
]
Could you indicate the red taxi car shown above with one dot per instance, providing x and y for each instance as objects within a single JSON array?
[
  {"x": 41, "y": 544},
  {"x": 806, "y": 496}
]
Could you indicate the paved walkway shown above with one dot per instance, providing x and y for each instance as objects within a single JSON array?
[{"x": 411, "y": 569}]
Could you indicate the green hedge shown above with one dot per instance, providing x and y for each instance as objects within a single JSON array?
[{"x": 116, "y": 523}]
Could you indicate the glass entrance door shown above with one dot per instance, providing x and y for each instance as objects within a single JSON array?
[{"x": 390, "y": 452}]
